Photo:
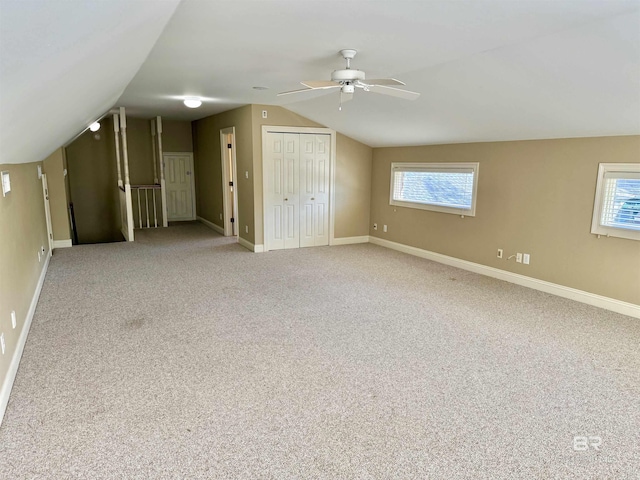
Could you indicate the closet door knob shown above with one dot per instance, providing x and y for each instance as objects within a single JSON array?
[
  {"x": 286, "y": 199},
  {"x": 312, "y": 198}
]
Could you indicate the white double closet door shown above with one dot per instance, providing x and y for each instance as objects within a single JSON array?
[{"x": 297, "y": 190}]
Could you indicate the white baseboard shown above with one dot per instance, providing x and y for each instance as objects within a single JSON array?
[
  {"x": 250, "y": 246},
  {"x": 62, "y": 243},
  {"x": 350, "y": 240},
  {"x": 211, "y": 225},
  {"x": 600, "y": 301},
  {"x": 7, "y": 385}
]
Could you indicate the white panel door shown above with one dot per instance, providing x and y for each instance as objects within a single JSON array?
[
  {"x": 321, "y": 203},
  {"x": 178, "y": 170},
  {"x": 296, "y": 171},
  {"x": 291, "y": 190},
  {"x": 274, "y": 192},
  {"x": 282, "y": 191},
  {"x": 314, "y": 190}
]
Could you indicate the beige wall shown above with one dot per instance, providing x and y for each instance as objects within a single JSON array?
[
  {"x": 176, "y": 136},
  {"x": 208, "y": 167},
  {"x": 23, "y": 231},
  {"x": 140, "y": 151},
  {"x": 276, "y": 116},
  {"x": 54, "y": 166},
  {"x": 93, "y": 185},
  {"x": 353, "y": 170},
  {"x": 534, "y": 197},
  {"x": 92, "y": 176},
  {"x": 353, "y": 187}
]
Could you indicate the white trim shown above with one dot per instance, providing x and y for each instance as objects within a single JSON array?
[
  {"x": 435, "y": 167},
  {"x": 332, "y": 172},
  {"x": 600, "y": 301},
  {"x": 62, "y": 243},
  {"x": 5, "y": 391},
  {"x": 211, "y": 225},
  {"x": 228, "y": 212},
  {"x": 596, "y": 227},
  {"x": 250, "y": 246},
  {"x": 351, "y": 240},
  {"x": 47, "y": 209}
]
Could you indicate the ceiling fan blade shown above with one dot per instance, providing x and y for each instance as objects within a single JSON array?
[
  {"x": 320, "y": 84},
  {"x": 394, "y": 92},
  {"x": 295, "y": 91},
  {"x": 383, "y": 81}
]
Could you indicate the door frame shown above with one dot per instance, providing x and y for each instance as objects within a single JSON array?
[
  {"x": 227, "y": 214},
  {"x": 266, "y": 129},
  {"x": 192, "y": 182},
  {"x": 47, "y": 211}
]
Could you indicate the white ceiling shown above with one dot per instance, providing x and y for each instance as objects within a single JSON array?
[
  {"x": 487, "y": 70},
  {"x": 65, "y": 63}
]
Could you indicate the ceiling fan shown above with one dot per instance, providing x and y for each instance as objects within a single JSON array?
[{"x": 348, "y": 80}]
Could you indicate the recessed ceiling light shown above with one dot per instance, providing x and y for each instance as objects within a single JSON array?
[
  {"x": 192, "y": 102},
  {"x": 94, "y": 127},
  {"x": 260, "y": 88}
]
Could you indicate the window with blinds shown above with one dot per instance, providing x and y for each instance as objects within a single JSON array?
[
  {"x": 441, "y": 187},
  {"x": 616, "y": 211}
]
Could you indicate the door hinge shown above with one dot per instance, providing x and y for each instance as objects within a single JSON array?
[
  {"x": 231, "y": 184},
  {"x": 228, "y": 145},
  {"x": 233, "y": 220}
]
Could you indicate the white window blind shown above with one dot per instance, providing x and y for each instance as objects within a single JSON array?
[
  {"x": 617, "y": 206},
  {"x": 442, "y": 187}
]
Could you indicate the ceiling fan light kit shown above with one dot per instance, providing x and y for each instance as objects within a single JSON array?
[{"x": 348, "y": 79}]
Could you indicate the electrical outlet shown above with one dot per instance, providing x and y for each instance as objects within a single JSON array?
[
  {"x": 500, "y": 252},
  {"x": 220, "y": 216},
  {"x": 384, "y": 228},
  {"x": 2, "y": 345},
  {"x": 38, "y": 256},
  {"x": 246, "y": 174},
  {"x": 246, "y": 229},
  {"x": 13, "y": 318},
  {"x": 375, "y": 226},
  {"x": 526, "y": 258},
  {"x": 264, "y": 114},
  {"x": 519, "y": 257}
]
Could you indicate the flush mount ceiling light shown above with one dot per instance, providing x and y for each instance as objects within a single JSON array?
[
  {"x": 94, "y": 127},
  {"x": 192, "y": 102}
]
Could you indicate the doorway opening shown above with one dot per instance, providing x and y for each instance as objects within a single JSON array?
[{"x": 229, "y": 181}]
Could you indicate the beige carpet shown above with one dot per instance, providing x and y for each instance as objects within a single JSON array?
[{"x": 185, "y": 356}]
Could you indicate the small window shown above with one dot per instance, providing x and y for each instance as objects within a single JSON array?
[
  {"x": 616, "y": 211},
  {"x": 441, "y": 187}
]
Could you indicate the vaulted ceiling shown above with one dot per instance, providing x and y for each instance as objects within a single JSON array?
[{"x": 491, "y": 70}]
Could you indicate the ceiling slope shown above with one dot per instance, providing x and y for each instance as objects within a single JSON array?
[
  {"x": 65, "y": 63},
  {"x": 490, "y": 70}
]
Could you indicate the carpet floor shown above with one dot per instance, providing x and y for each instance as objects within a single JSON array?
[{"x": 183, "y": 355}]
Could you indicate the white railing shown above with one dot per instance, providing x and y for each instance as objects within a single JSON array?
[
  {"x": 126, "y": 213},
  {"x": 146, "y": 200}
]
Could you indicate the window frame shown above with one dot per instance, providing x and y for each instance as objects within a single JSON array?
[
  {"x": 449, "y": 167},
  {"x": 596, "y": 227}
]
